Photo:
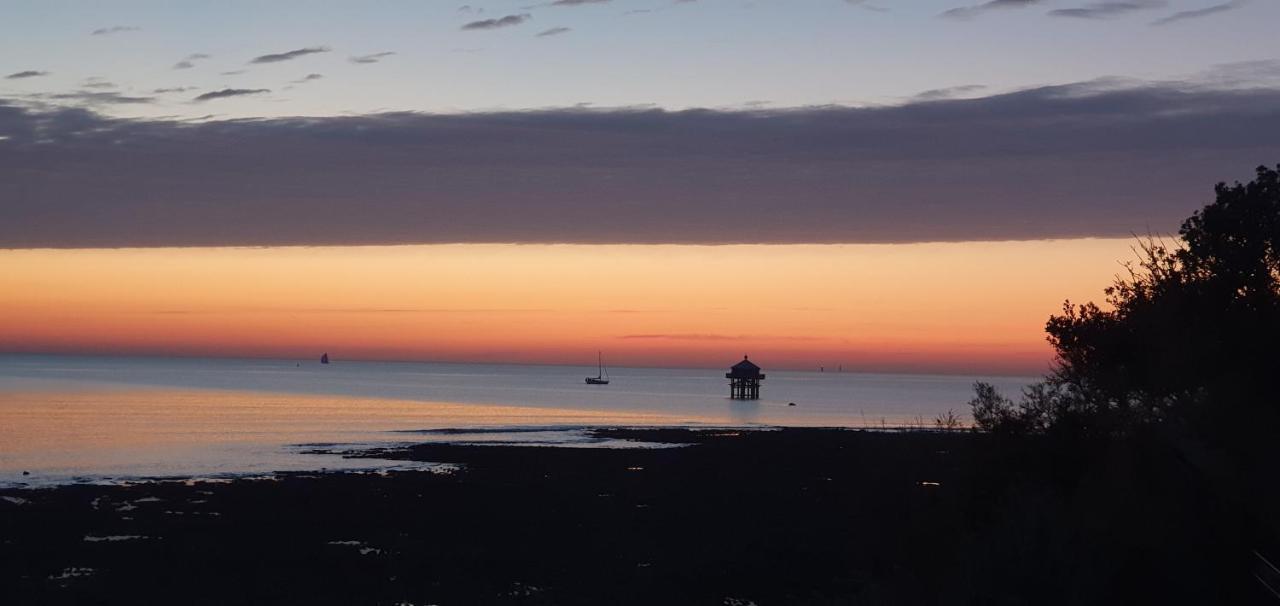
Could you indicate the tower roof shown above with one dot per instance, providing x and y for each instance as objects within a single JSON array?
[{"x": 745, "y": 368}]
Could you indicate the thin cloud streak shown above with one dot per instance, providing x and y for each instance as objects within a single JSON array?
[
  {"x": 970, "y": 12},
  {"x": 682, "y": 337},
  {"x": 866, "y": 5},
  {"x": 1199, "y": 13},
  {"x": 713, "y": 337},
  {"x": 289, "y": 55},
  {"x": 118, "y": 29},
  {"x": 938, "y": 94},
  {"x": 230, "y": 92},
  {"x": 348, "y": 310},
  {"x": 373, "y": 58},
  {"x": 188, "y": 62},
  {"x": 507, "y": 21},
  {"x": 93, "y": 98},
  {"x": 1107, "y": 10}
]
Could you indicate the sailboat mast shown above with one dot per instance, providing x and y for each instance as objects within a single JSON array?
[{"x": 602, "y": 375}]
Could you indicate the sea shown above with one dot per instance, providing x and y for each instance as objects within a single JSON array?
[{"x": 83, "y": 419}]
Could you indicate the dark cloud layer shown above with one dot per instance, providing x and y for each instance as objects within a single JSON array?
[{"x": 1097, "y": 159}]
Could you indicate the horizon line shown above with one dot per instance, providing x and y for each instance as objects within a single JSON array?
[{"x": 338, "y": 360}]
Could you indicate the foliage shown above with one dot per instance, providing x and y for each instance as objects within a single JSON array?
[
  {"x": 1189, "y": 332},
  {"x": 948, "y": 421},
  {"x": 992, "y": 411}
]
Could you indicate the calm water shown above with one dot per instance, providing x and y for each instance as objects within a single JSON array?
[{"x": 65, "y": 418}]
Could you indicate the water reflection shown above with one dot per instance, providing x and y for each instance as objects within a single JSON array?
[
  {"x": 70, "y": 417},
  {"x": 744, "y": 412},
  {"x": 123, "y": 433}
]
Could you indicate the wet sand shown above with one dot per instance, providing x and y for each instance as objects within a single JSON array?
[{"x": 792, "y": 516}]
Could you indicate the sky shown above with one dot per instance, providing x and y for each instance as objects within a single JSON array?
[
  {"x": 435, "y": 145},
  {"x": 674, "y": 55},
  {"x": 941, "y": 307}
]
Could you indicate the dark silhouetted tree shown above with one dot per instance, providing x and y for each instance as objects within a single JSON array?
[{"x": 1191, "y": 332}]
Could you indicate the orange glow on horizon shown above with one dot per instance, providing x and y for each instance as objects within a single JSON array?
[{"x": 958, "y": 307}]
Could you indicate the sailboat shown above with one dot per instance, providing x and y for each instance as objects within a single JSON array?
[
  {"x": 324, "y": 359},
  {"x": 602, "y": 375}
]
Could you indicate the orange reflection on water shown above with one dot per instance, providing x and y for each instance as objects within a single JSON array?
[{"x": 105, "y": 430}]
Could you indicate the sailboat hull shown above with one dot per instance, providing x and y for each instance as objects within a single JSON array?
[{"x": 595, "y": 381}]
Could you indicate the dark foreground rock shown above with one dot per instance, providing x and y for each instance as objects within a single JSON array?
[{"x": 775, "y": 517}]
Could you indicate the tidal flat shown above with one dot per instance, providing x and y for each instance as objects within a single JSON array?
[{"x": 782, "y": 516}]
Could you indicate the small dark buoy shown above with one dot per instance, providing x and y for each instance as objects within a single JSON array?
[
  {"x": 26, "y": 473},
  {"x": 791, "y": 403}
]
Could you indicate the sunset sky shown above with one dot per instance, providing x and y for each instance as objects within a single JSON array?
[
  {"x": 880, "y": 185},
  {"x": 973, "y": 307}
]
